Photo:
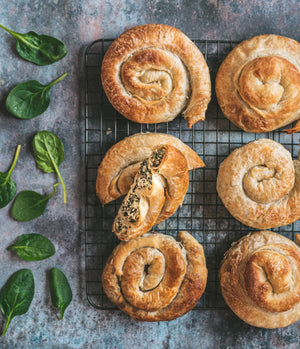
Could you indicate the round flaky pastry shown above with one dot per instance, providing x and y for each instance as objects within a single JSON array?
[
  {"x": 122, "y": 161},
  {"x": 158, "y": 189},
  {"x": 259, "y": 184},
  {"x": 260, "y": 279},
  {"x": 156, "y": 278},
  {"x": 258, "y": 84},
  {"x": 153, "y": 72}
]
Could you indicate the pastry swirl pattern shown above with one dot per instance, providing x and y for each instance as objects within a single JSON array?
[
  {"x": 258, "y": 84},
  {"x": 154, "y": 277},
  {"x": 259, "y": 184},
  {"x": 153, "y": 72},
  {"x": 260, "y": 279}
]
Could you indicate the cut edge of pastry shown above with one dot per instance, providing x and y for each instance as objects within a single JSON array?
[{"x": 158, "y": 189}]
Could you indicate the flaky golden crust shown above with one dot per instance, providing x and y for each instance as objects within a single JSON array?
[
  {"x": 258, "y": 84},
  {"x": 152, "y": 72},
  {"x": 260, "y": 280},
  {"x": 121, "y": 163},
  {"x": 259, "y": 184},
  {"x": 175, "y": 174},
  {"x": 158, "y": 189},
  {"x": 156, "y": 278}
]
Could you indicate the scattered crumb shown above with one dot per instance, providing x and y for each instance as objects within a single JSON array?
[{"x": 108, "y": 131}]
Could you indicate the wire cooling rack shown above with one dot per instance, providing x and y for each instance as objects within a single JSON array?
[{"x": 202, "y": 213}]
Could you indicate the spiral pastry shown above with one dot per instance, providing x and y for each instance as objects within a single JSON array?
[
  {"x": 258, "y": 84},
  {"x": 153, "y": 72},
  {"x": 156, "y": 278},
  {"x": 122, "y": 161},
  {"x": 260, "y": 280},
  {"x": 158, "y": 189},
  {"x": 259, "y": 184}
]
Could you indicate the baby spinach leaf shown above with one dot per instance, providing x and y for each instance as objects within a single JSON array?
[
  {"x": 30, "y": 99},
  {"x": 38, "y": 49},
  {"x": 30, "y": 205},
  {"x": 16, "y": 295},
  {"x": 60, "y": 290},
  {"x": 48, "y": 152},
  {"x": 33, "y": 247},
  {"x": 8, "y": 187}
]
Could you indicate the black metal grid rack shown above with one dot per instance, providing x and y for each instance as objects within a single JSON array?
[{"x": 202, "y": 213}]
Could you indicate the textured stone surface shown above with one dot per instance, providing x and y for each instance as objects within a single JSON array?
[{"x": 78, "y": 23}]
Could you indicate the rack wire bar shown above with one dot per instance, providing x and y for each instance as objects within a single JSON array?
[{"x": 202, "y": 213}]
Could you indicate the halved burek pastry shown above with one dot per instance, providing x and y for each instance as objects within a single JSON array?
[
  {"x": 122, "y": 161},
  {"x": 158, "y": 189}
]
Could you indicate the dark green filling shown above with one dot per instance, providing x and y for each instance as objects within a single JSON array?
[
  {"x": 120, "y": 225},
  {"x": 130, "y": 211},
  {"x": 130, "y": 208},
  {"x": 157, "y": 157},
  {"x": 144, "y": 179}
]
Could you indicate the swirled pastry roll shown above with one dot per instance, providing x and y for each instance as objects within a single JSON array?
[
  {"x": 156, "y": 278},
  {"x": 122, "y": 161},
  {"x": 259, "y": 184},
  {"x": 158, "y": 189},
  {"x": 258, "y": 84},
  {"x": 260, "y": 280},
  {"x": 153, "y": 72}
]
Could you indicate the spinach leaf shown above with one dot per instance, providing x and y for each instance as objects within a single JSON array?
[
  {"x": 30, "y": 205},
  {"x": 33, "y": 247},
  {"x": 38, "y": 49},
  {"x": 30, "y": 99},
  {"x": 16, "y": 295},
  {"x": 48, "y": 152},
  {"x": 8, "y": 187},
  {"x": 60, "y": 290}
]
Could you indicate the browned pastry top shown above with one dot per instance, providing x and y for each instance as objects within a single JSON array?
[
  {"x": 258, "y": 84},
  {"x": 122, "y": 161},
  {"x": 260, "y": 279},
  {"x": 259, "y": 184},
  {"x": 152, "y": 72},
  {"x": 154, "y": 277}
]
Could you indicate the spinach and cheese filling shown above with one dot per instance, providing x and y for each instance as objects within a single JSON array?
[{"x": 157, "y": 156}]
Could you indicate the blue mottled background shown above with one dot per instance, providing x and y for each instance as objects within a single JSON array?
[{"x": 78, "y": 23}]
